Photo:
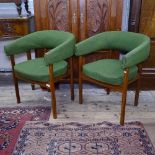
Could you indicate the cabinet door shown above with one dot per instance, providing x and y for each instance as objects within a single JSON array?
[
  {"x": 147, "y": 18},
  {"x": 84, "y": 18},
  {"x": 147, "y": 26},
  {"x": 142, "y": 20},
  {"x": 135, "y": 9},
  {"x": 98, "y": 16},
  {"x": 56, "y": 15}
]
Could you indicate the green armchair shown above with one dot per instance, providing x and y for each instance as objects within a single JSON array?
[
  {"x": 114, "y": 74},
  {"x": 46, "y": 70}
]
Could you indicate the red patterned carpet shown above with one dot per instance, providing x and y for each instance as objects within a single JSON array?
[
  {"x": 12, "y": 121},
  {"x": 44, "y": 138}
]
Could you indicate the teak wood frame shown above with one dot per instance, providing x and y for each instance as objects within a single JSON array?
[
  {"x": 121, "y": 88},
  {"x": 49, "y": 85}
]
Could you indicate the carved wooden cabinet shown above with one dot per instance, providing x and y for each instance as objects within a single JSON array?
[
  {"x": 13, "y": 27},
  {"x": 142, "y": 19},
  {"x": 84, "y": 18}
]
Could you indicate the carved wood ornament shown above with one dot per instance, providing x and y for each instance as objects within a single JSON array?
[
  {"x": 58, "y": 15},
  {"x": 97, "y": 16}
]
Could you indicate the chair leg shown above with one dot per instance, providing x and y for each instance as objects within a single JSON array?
[
  {"x": 16, "y": 89},
  {"x": 124, "y": 95},
  {"x": 80, "y": 90},
  {"x": 81, "y": 62},
  {"x": 71, "y": 79},
  {"x": 52, "y": 90},
  {"x": 108, "y": 91},
  {"x": 137, "y": 92},
  {"x": 15, "y": 79},
  {"x": 33, "y": 86},
  {"x": 123, "y": 105}
]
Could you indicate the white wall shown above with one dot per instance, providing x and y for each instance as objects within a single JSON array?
[
  {"x": 9, "y": 9},
  {"x": 125, "y": 18},
  {"x": 5, "y": 64}
]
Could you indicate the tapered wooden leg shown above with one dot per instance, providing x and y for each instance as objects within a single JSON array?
[
  {"x": 17, "y": 89},
  {"x": 123, "y": 105},
  {"x": 57, "y": 85},
  {"x": 137, "y": 91},
  {"x": 15, "y": 79},
  {"x": 33, "y": 86},
  {"x": 80, "y": 91},
  {"x": 124, "y": 94},
  {"x": 71, "y": 79},
  {"x": 29, "y": 58},
  {"x": 52, "y": 88},
  {"x": 108, "y": 91},
  {"x": 80, "y": 80}
]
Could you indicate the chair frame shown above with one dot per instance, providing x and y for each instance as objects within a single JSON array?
[
  {"x": 121, "y": 88},
  {"x": 49, "y": 85}
]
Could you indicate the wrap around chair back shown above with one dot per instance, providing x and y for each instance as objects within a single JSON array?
[
  {"x": 59, "y": 43},
  {"x": 136, "y": 47},
  {"x": 46, "y": 70},
  {"x": 114, "y": 74}
]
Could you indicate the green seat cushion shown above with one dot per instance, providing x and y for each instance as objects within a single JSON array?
[
  {"x": 109, "y": 71},
  {"x": 36, "y": 70}
]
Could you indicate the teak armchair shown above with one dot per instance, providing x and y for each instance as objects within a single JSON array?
[
  {"x": 114, "y": 74},
  {"x": 46, "y": 70}
]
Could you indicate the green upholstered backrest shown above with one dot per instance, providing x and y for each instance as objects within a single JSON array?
[
  {"x": 135, "y": 46},
  {"x": 60, "y": 44}
]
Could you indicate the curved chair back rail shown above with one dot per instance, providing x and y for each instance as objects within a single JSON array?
[
  {"x": 60, "y": 45},
  {"x": 134, "y": 46}
]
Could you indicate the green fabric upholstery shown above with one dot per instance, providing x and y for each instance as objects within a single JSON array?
[
  {"x": 108, "y": 70},
  {"x": 135, "y": 46},
  {"x": 37, "y": 70},
  {"x": 60, "y": 45}
]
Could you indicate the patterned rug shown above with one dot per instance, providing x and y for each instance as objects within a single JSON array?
[
  {"x": 12, "y": 121},
  {"x": 44, "y": 138}
]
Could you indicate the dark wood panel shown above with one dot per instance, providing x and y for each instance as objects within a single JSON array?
[
  {"x": 150, "y": 63},
  {"x": 59, "y": 15},
  {"x": 41, "y": 14},
  {"x": 147, "y": 18},
  {"x": 135, "y": 10},
  {"x": 99, "y": 16},
  {"x": 147, "y": 26},
  {"x": 56, "y": 15},
  {"x": 84, "y": 18},
  {"x": 142, "y": 20},
  {"x": 98, "y": 13}
]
